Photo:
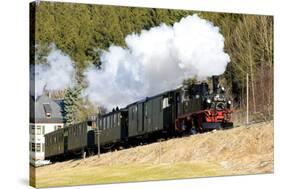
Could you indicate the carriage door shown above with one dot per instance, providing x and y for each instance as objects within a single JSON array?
[
  {"x": 177, "y": 108},
  {"x": 140, "y": 123}
]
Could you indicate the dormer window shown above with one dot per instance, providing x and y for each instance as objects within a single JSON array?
[{"x": 48, "y": 110}]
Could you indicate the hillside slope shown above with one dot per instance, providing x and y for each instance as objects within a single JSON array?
[{"x": 242, "y": 150}]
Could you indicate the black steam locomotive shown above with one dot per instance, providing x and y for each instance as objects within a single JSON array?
[{"x": 186, "y": 110}]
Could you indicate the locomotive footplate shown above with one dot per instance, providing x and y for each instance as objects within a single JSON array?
[
  {"x": 227, "y": 125},
  {"x": 217, "y": 125}
]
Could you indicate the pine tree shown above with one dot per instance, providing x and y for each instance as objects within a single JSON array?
[{"x": 71, "y": 105}]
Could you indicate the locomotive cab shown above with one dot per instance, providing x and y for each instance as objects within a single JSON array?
[{"x": 192, "y": 97}]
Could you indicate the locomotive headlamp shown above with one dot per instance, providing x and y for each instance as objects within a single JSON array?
[
  {"x": 209, "y": 101},
  {"x": 229, "y": 103}
]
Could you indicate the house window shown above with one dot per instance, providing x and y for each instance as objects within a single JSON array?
[
  {"x": 38, "y": 130},
  {"x": 43, "y": 147},
  {"x": 33, "y": 147},
  {"x": 38, "y": 147},
  {"x": 32, "y": 129}
]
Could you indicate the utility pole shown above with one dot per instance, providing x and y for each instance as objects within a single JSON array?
[{"x": 98, "y": 136}]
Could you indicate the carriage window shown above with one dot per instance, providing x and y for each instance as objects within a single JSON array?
[
  {"x": 145, "y": 110},
  {"x": 107, "y": 122},
  {"x": 135, "y": 110},
  {"x": 185, "y": 95},
  {"x": 165, "y": 102},
  {"x": 114, "y": 120},
  {"x": 118, "y": 118},
  {"x": 100, "y": 124}
]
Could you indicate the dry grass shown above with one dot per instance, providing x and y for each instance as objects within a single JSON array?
[
  {"x": 242, "y": 150},
  {"x": 128, "y": 173}
]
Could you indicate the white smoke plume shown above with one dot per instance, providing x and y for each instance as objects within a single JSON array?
[
  {"x": 156, "y": 60},
  {"x": 57, "y": 73}
]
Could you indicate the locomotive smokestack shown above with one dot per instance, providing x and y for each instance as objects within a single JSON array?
[{"x": 215, "y": 83}]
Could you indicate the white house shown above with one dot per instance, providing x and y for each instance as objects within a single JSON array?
[{"x": 46, "y": 115}]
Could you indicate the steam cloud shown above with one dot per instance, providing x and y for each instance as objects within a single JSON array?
[
  {"x": 57, "y": 74},
  {"x": 156, "y": 60}
]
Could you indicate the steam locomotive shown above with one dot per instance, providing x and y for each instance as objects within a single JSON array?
[{"x": 188, "y": 109}]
